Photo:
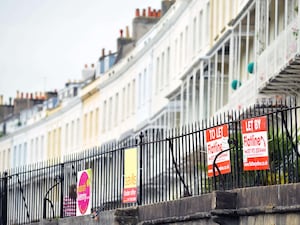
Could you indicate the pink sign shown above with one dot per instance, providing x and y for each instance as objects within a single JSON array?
[{"x": 84, "y": 192}]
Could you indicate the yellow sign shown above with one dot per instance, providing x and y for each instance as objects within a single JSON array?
[{"x": 130, "y": 176}]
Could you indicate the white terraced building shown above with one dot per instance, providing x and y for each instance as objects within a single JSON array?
[{"x": 201, "y": 58}]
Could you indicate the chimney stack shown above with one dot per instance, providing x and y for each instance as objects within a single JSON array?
[
  {"x": 149, "y": 12},
  {"x": 165, "y": 5},
  {"x": 141, "y": 25},
  {"x": 137, "y": 13},
  {"x": 103, "y": 52}
]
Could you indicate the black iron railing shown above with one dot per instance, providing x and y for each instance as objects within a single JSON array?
[{"x": 171, "y": 164}]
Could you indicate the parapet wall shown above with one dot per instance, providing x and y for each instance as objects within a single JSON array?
[{"x": 271, "y": 205}]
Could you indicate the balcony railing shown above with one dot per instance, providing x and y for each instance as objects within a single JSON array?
[{"x": 277, "y": 57}]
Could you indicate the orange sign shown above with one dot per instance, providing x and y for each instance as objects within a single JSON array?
[
  {"x": 255, "y": 143},
  {"x": 217, "y": 141}
]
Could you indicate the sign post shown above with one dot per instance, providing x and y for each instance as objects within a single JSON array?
[
  {"x": 255, "y": 143},
  {"x": 217, "y": 141}
]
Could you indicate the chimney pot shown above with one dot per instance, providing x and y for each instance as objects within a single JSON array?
[
  {"x": 144, "y": 12},
  {"x": 149, "y": 11},
  {"x": 31, "y": 95},
  {"x": 159, "y": 13},
  {"x": 1, "y": 99},
  {"x": 10, "y": 101},
  {"x": 92, "y": 65},
  {"x": 103, "y": 52},
  {"x": 127, "y": 32},
  {"x": 154, "y": 13},
  {"x": 85, "y": 66},
  {"x": 137, "y": 13},
  {"x": 22, "y": 95},
  {"x": 18, "y": 94},
  {"x": 121, "y": 33}
]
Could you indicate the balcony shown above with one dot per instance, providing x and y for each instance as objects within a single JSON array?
[{"x": 278, "y": 67}]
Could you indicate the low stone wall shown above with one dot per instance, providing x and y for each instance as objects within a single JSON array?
[{"x": 271, "y": 205}]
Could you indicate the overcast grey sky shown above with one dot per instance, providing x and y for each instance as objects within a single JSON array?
[{"x": 44, "y": 43}]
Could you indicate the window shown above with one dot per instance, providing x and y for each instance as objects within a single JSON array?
[
  {"x": 186, "y": 45},
  {"x": 67, "y": 136},
  {"x": 207, "y": 24},
  {"x": 8, "y": 158},
  {"x": 104, "y": 116},
  {"x": 139, "y": 96},
  {"x": 49, "y": 146},
  {"x": 176, "y": 56},
  {"x": 75, "y": 91},
  {"x": 201, "y": 30},
  {"x": 91, "y": 125},
  {"x": 77, "y": 131},
  {"x": 110, "y": 113},
  {"x": 162, "y": 74},
  {"x": 180, "y": 51},
  {"x": 59, "y": 142},
  {"x": 37, "y": 150},
  {"x": 42, "y": 149},
  {"x": 4, "y": 160},
  {"x": 1, "y": 161},
  {"x": 85, "y": 127},
  {"x": 157, "y": 75},
  {"x": 72, "y": 132},
  {"x": 96, "y": 122},
  {"x": 14, "y": 161},
  {"x": 133, "y": 97},
  {"x": 168, "y": 66},
  {"x": 194, "y": 35},
  {"x": 128, "y": 100},
  {"x": 116, "y": 119},
  {"x": 32, "y": 149},
  {"x": 145, "y": 87},
  {"x": 123, "y": 103}
]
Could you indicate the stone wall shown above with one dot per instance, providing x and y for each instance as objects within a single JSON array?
[{"x": 272, "y": 205}]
